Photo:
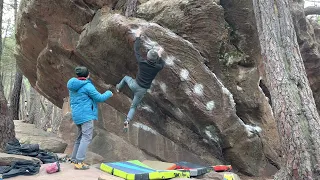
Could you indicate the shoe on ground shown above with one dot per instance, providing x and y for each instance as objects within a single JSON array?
[{"x": 81, "y": 166}]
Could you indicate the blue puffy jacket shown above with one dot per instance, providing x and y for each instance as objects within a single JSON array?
[{"x": 83, "y": 100}]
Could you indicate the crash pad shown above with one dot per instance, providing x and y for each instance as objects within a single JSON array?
[
  {"x": 195, "y": 169},
  {"x": 222, "y": 168},
  {"x": 136, "y": 170},
  {"x": 159, "y": 165},
  {"x": 139, "y": 163}
]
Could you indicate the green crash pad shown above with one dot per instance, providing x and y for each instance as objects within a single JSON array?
[{"x": 136, "y": 170}]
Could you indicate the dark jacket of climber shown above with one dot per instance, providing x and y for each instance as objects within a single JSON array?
[{"x": 148, "y": 69}]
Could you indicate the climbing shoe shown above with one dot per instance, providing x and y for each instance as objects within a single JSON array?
[
  {"x": 125, "y": 126},
  {"x": 81, "y": 166},
  {"x": 117, "y": 88}
]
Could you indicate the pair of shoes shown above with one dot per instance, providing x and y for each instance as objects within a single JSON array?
[
  {"x": 125, "y": 126},
  {"x": 81, "y": 166}
]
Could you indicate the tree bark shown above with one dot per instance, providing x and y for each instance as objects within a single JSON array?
[
  {"x": 6, "y": 124},
  {"x": 7, "y": 132},
  {"x": 35, "y": 108},
  {"x": 23, "y": 103},
  {"x": 131, "y": 8},
  {"x": 312, "y": 10},
  {"x": 15, "y": 8},
  {"x": 10, "y": 87},
  {"x": 57, "y": 117},
  {"x": 48, "y": 116},
  {"x": 292, "y": 99},
  {"x": 15, "y": 96}
]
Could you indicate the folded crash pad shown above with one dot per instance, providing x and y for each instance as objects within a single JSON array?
[
  {"x": 195, "y": 169},
  {"x": 135, "y": 170},
  {"x": 159, "y": 165},
  {"x": 222, "y": 168}
]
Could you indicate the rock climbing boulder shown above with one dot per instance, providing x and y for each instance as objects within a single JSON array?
[
  {"x": 209, "y": 103},
  {"x": 192, "y": 109},
  {"x": 29, "y": 134}
]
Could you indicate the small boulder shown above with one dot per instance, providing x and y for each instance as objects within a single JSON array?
[
  {"x": 50, "y": 144},
  {"x": 93, "y": 158},
  {"x": 29, "y": 134},
  {"x": 6, "y": 159}
]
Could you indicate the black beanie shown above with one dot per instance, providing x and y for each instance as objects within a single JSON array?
[{"x": 82, "y": 71}]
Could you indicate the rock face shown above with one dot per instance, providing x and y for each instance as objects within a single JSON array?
[
  {"x": 205, "y": 106},
  {"x": 29, "y": 134}
]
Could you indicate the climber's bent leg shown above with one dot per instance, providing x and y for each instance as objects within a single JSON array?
[
  {"x": 138, "y": 96},
  {"x": 126, "y": 79}
]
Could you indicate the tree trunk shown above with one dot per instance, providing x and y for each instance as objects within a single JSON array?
[
  {"x": 10, "y": 86},
  {"x": 292, "y": 99},
  {"x": 131, "y": 8},
  {"x": 15, "y": 8},
  {"x": 7, "y": 132},
  {"x": 15, "y": 96},
  {"x": 23, "y": 103},
  {"x": 47, "y": 118},
  {"x": 6, "y": 124},
  {"x": 57, "y": 119},
  {"x": 35, "y": 108}
]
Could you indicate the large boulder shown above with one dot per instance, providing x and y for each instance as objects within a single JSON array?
[
  {"x": 191, "y": 115},
  {"x": 29, "y": 134},
  {"x": 208, "y": 105},
  {"x": 229, "y": 44},
  {"x": 141, "y": 142}
]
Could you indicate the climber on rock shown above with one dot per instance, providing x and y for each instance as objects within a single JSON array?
[
  {"x": 83, "y": 101},
  {"x": 147, "y": 70}
]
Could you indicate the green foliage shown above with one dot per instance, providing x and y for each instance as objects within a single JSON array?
[
  {"x": 8, "y": 63},
  {"x": 7, "y": 59}
]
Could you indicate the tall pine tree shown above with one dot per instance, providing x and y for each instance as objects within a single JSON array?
[
  {"x": 6, "y": 124},
  {"x": 292, "y": 99}
]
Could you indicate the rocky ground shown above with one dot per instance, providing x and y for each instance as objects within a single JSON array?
[{"x": 68, "y": 172}]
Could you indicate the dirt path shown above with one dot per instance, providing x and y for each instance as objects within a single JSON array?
[{"x": 67, "y": 172}]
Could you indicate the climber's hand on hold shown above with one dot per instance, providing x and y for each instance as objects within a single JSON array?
[
  {"x": 138, "y": 32},
  {"x": 160, "y": 52}
]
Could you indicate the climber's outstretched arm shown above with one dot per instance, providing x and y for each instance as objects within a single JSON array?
[{"x": 137, "y": 45}]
